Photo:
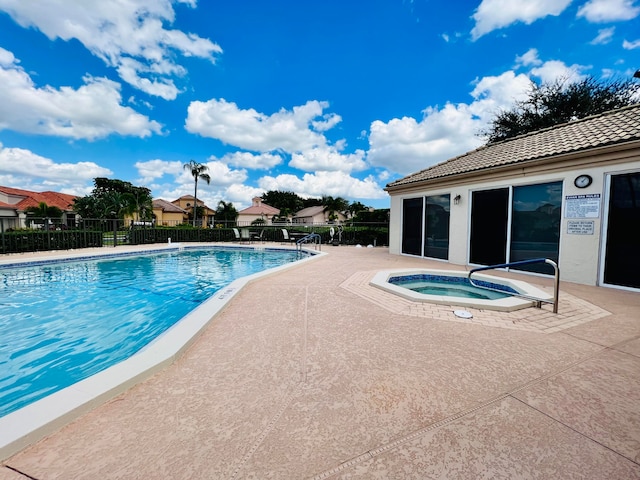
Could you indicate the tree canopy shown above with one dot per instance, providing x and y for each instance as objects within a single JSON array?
[
  {"x": 550, "y": 104},
  {"x": 284, "y": 201},
  {"x": 226, "y": 212},
  {"x": 115, "y": 198},
  {"x": 44, "y": 211}
]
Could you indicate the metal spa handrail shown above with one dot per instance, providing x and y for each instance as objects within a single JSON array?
[
  {"x": 308, "y": 238},
  {"x": 556, "y": 282}
]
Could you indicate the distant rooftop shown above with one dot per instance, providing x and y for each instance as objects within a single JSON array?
[{"x": 19, "y": 199}]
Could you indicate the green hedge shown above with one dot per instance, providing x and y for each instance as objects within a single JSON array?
[{"x": 39, "y": 240}]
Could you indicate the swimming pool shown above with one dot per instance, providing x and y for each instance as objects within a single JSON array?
[
  {"x": 63, "y": 321},
  {"x": 448, "y": 287}
]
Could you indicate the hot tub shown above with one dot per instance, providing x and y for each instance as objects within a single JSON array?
[{"x": 448, "y": 287}]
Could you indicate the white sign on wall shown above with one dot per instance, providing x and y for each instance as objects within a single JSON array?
[
  {"x": 580, "y": 227},
  {"x": 582, "y": 206}
]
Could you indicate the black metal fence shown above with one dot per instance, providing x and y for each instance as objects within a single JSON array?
[{"x": 43, "y": 234}]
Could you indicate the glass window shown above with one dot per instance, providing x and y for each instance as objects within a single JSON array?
[
  {"x": 436, "y": 241},
  {"x": 535, "y": 224},
  {"x": 412, "y": 218}
]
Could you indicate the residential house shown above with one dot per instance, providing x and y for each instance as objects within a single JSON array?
[
  {"x": 186, "y": 203},
  {"x": 167, "y": 213},
  {"x": 257, "y": 211},
  {"x": 317, "y": 215},
  {"x": 569, "y": 193},
  {"x": 15, "y": 201}
]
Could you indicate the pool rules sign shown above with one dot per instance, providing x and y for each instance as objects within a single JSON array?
[{"x": 581, "y": 207}]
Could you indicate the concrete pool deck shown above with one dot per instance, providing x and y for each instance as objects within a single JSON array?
[{"x": 311, "y": 373}]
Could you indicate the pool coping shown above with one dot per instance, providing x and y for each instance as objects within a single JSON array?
[
  {"x": 509, "y": 304},
  {"x": 29, "y": 424}
]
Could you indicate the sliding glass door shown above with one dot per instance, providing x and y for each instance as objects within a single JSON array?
[
  {"x": 622, "y": 252},
  {"x": 436, "y": 234},
  {"x": 523, "y": 228},
  {"x": 412, "y": 219},
  {"x": 425, "y": 226},
  {"x": 489, "y": 218}
]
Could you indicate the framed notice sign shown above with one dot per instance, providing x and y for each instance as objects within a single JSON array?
[
  {"x": 582, "y": 206},
  {"x": 580, "y": 227}
]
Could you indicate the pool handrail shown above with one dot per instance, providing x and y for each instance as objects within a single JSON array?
[
  {"x": 556, "y": 280},
  {"x": 317, "y": 241}
]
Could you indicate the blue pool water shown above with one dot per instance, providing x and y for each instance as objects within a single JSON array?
[
  {"x": 65, "y": 321},
  {"x": 451, "y": 286}
]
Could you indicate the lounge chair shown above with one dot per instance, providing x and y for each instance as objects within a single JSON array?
[
  {"x": 285, "y": 236},
  {"x": 245, "y": 236},
  {"x": 258, "y": 237},
  {"x": 236, "y": 232}
]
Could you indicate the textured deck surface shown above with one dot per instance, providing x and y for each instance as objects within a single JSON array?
[{"x": 313, "y": 374}]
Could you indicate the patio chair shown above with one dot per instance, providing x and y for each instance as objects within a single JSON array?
[
  {"x": 245, "y": 236},
  {"x": 258, "y": 237},
  {"x": 236, "y": 233},
  {"x": 285, "y": 236}
]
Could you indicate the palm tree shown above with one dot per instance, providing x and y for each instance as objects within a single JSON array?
[
  {"x": 198, "y": 171},
  {"x": 226, "y": 213},
  {"x": 333, "y": 205},
  {"x": 44, "y": 212}
]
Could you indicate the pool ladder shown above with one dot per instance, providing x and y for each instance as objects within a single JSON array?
[
  {"x": 312, "y": 237},
  {"x": 539, "y": 301}
]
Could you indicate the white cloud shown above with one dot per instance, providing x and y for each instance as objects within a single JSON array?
[
  {"x": 240, "y": 195},
  {"x": 328, "y": 158},
  {"x": 25, "y": 169},
  {"x": 406, "y": 145},
  {"x": 554, "y": 70},
  {"x": 7, "y": 59},
  {"x": 604, "y": 36},
  {"x": 495, "y": 14},
  {"x": 631, "y": 45},
  {"x": 600, "y": 11},
  {"x": 530, "y": 57},
  {"x": 92, "y": 111},
  {"x": 288, "y": 131},
  {"x": 263, "y": 161},
  {"x": 335, "y": 184},
  {"x": 221, "y": 174},
  {"x": 129, "y": 35},
  {"x": 152, "y": 170}
]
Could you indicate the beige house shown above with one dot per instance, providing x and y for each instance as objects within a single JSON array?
[
  {"x": 316, "y": 216},
  {"x": 257, "y": 211},
  {"x": 186, "y": 203},
  {"x": 168, "y": 214},
  {"x": 570, "y": 193}
]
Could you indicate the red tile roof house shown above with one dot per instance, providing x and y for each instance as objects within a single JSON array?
[
  {"x": 257, "y": 211},
  {"x": 15, "y": 201}
]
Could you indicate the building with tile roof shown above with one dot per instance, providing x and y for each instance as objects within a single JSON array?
[
  {"x": 167, "y": 213},
  {"x": 570, "y": 193},
  {"x": 14, "y": 203},
  {"x": 186, "y": 203},
  {"x": 317, "y": 215},
  {"x": 257, "y": 211}
]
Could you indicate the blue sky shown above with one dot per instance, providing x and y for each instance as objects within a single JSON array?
[{"x": 332, "y": 97}]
